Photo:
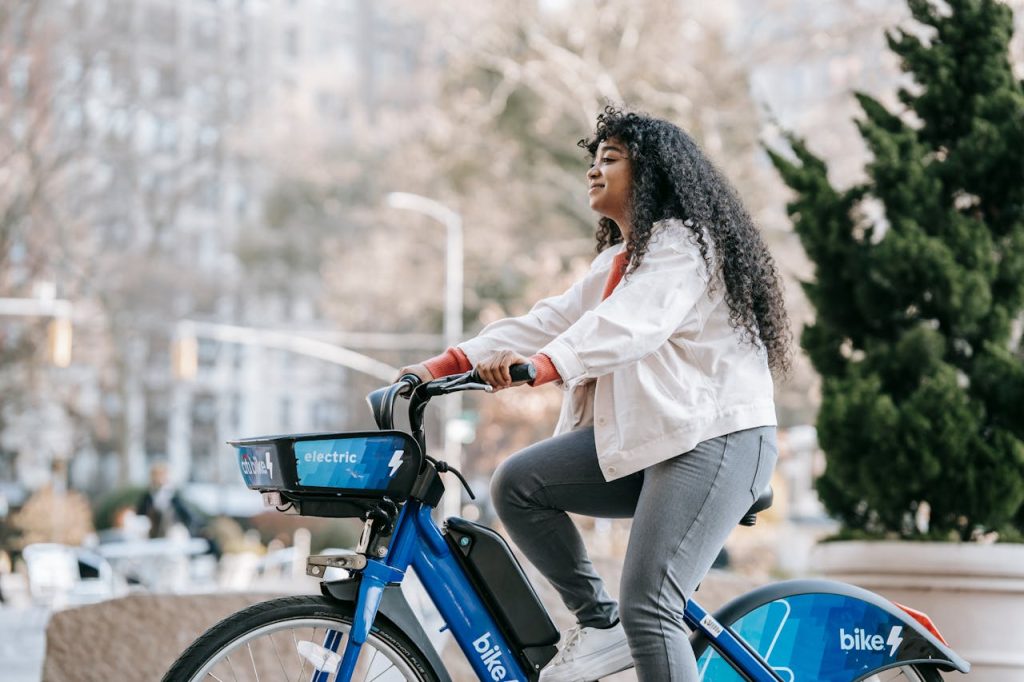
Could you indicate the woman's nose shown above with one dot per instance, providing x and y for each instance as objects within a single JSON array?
[{"x": 592, "y": 172}]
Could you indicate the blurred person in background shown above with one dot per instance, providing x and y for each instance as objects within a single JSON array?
[
  {"x": 665, "y": 350},
  {"x": 162, "y": 504},
  {"x": 5, "y": 558},
  {"x": 5, "y": 569}
]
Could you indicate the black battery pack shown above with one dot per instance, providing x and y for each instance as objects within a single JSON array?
[{"x": 501, "y": 583}]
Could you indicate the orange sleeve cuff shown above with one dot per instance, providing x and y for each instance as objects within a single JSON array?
[
  {"x": 546, "y": 372},
  {"x": 452, "y": 361}
]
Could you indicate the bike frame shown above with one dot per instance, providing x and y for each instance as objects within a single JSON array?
[
  {"x": 730, "y": 646},
  {"x": 418, "y": 543}
]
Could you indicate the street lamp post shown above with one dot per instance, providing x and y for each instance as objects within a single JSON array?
[{"x": 452, "y": 317}]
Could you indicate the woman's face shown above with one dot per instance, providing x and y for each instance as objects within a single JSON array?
[{"x": 610, "y": 180}]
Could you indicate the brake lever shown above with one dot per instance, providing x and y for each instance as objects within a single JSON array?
[
  {"x": 471, "y": 387},
  {"x": 447, "y": 382},
  {"x": 460, "y": 382}
]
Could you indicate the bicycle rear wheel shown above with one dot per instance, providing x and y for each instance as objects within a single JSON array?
[{"x": 289, "y": 639}]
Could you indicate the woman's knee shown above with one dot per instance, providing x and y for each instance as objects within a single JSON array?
[
  {"x": 509, "y": 486},
  {"x": 645, "y": 606}
]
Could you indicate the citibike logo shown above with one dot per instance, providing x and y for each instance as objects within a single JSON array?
[
  {"x": 860, "y": 640},
  {"x": 491, "y": 657},
  {"x": 256, "y": 467}
]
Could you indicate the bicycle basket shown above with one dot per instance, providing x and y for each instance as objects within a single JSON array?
[{"x": 320, "y": 472}]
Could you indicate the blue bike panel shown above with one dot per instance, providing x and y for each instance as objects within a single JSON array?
[
  {"x": 474, "y": 627},
  {"x": 817, "y": 637},
  {"x": 366, "y": 463},
  {"x": 418, "y": 542}
]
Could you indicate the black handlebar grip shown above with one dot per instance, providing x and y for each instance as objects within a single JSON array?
[{"x": 523, "y": 372}]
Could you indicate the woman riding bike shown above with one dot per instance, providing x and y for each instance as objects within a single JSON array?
[{"x": 665, "y": 350}]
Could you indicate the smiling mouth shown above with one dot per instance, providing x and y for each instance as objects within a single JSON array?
[{"x": 593, "y": 187}]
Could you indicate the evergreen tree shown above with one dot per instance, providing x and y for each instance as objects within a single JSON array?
[{"x": 917, "y": 332}]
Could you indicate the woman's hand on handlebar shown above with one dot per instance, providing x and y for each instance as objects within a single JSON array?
[
  {"x": 495, "y": 370},
  {"x": 419, "y": 370}
]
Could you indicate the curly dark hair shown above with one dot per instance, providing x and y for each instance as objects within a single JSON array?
[{"x": 672, "y": 178}]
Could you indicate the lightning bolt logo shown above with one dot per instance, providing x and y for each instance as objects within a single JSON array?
[
  {"x": 396, "y": 461},
  {"x": 895, "y": 639},
  {"x": 270, "y": 465}
]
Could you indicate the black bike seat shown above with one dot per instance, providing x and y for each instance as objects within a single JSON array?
[{"x": 763, "y": 501}]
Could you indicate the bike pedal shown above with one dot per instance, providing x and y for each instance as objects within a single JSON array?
[{"x": 317, "y": 564}]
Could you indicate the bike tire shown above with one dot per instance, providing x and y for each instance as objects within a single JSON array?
[{"x": 270, "y": 618}]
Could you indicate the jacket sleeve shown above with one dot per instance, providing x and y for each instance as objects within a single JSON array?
[
  {"x": 638, "y": 317},
  {"x": 527, "y": 333},
  {"x": 452, "y": 361}
]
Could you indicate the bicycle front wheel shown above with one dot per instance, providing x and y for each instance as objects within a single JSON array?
[{"x": 289, "y": 639}]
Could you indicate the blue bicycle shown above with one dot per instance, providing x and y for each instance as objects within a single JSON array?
[{"x": 362, "y": 628}]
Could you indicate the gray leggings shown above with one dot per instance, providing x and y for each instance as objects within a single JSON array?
[{"x": 683, "y": 509}]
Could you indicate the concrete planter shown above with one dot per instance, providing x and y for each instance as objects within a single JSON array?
[{"x": 973, "y": 593}]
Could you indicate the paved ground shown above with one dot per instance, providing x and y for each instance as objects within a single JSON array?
[{"x": 22, "y": 643}]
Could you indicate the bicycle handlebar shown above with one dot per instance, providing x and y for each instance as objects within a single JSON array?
[
  {"x": 467, "y": 381},
  {"x": 382, "y": 401}
]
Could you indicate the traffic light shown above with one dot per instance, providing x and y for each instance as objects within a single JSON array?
[
  {"x": 60, "y": 341},
  {"x": 185, "y": 356}
]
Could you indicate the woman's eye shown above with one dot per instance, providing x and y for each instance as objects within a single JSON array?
[{"x": 608, "y": 159}]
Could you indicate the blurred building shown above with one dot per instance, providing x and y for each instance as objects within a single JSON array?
[
  {"x": 168, "y": 104},
  {"x": 247, "y": 65}
]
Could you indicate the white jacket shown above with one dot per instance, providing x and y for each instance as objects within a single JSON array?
[{"x": 670, "y": 370}]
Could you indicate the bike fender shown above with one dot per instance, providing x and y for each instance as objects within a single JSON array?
[
  {"x": 858, "y": 630},
  {"x": 395, "y": 609}
]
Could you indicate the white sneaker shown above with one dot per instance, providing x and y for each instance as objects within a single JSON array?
[{"x": 589, "y": 654}]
